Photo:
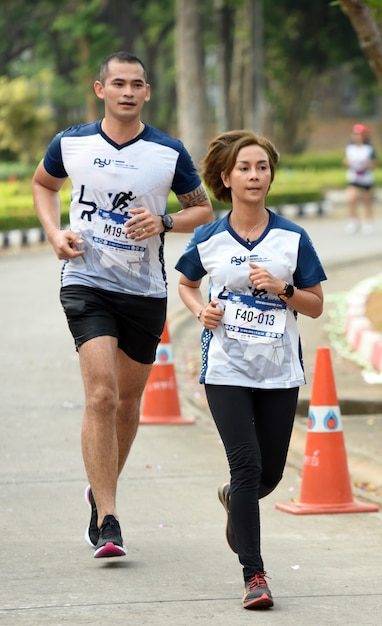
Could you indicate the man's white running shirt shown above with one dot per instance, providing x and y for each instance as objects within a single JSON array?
[{"x": 107, "y": 181}]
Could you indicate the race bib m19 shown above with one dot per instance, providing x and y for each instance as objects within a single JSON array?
[{"x": 109, "y": 233}]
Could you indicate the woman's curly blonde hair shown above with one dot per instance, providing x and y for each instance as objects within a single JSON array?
[{"x": 222, "y": 156}]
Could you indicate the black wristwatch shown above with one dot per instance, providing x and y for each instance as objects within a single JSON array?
[
  {"x": 167, "y": 222},
  {"x": 287, "y": 293}
]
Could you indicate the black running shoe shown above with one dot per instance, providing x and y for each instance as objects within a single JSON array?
[
  {"x": 92, "y": 531},
  {"x": 257, "y": 594},
  {"x": 110, "y": 542},
  {"x": 224, "y": 495}
]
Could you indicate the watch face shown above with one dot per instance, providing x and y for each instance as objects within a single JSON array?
[
  {"x": 289, "y": 291},
  {"x": 168, "y": 222}
]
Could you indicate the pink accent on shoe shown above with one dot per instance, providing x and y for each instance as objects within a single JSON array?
[
  {"x": 257, "y": 595},
  {"x": 108, "y": 550}
]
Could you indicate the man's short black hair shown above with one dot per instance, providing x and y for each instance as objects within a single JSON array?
[{"x": 123, "y": 57}]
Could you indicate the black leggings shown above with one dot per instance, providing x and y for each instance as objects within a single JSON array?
[{"x": 255, "y": 426}]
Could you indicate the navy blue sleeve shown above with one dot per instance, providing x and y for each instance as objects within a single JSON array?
[
  {"x": 309, "y": 271},
  {"x": 189, "y": 263},
  {"x": 53, "y": 158},
  {"x": 186, "y": 177}
]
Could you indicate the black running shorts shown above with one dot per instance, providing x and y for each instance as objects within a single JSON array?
[
  {"x": 361, "y": 186},
  {"x": 136, "y": 321}
]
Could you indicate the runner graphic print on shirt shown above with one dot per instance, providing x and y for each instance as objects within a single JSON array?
[{"x": 140, "y": 173}]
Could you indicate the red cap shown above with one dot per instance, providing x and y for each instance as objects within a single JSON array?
[{"x": 360, "y": 129}]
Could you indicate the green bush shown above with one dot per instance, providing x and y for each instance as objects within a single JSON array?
[
  {"x": 23, "y": 221},
  {"x": 16, "y": 170},
  {"x": 273, "y": 199},
  {"x": 17, "y": 211},
  {"x": 299, "y": 179},
  {"x": 16, "y": 205},
  {"x": 312, "y": 160}
]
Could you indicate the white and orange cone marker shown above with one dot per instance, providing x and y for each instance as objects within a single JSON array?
[
  {"x": 325, "y": 486},
  {"x": 160, "y": 402}
]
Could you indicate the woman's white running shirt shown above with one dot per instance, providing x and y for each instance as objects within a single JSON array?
[{"x": 257, "y": 344}]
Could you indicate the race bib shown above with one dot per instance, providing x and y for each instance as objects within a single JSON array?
[
  {"x": 109, "y": 234},
  {"x": 253, "y": 319}
]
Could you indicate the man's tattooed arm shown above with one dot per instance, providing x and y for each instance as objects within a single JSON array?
[{"x": 197, "y": 196}]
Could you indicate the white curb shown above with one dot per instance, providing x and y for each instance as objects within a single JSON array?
[{"x": 360, "y": 335}]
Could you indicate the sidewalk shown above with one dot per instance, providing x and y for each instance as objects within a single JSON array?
[{"x": 324, "y": 569}]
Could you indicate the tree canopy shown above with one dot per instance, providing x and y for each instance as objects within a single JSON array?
[{"x": 253, "y": 62}]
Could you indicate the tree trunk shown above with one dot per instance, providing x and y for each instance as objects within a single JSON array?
[
  {"x": 190, "y": 79},
  {"x": 223, "y": 20},
  {"x": 246, "y": 89},
  {"x": 258, "y": 66},
  {"x": 368, "y": 32},
  {"x": 240, "y": 92},
  {"x": 91, "y": 112}
]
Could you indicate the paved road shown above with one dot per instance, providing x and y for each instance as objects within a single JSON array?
[{"x": 324, "y": 569}]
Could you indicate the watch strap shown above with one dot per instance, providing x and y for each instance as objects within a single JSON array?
[{"x": 287, "y": 292}]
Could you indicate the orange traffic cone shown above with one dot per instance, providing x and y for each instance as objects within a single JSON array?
[
  {"x": 160, "y": 403},
  {"x": 325, "y": 486}
]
